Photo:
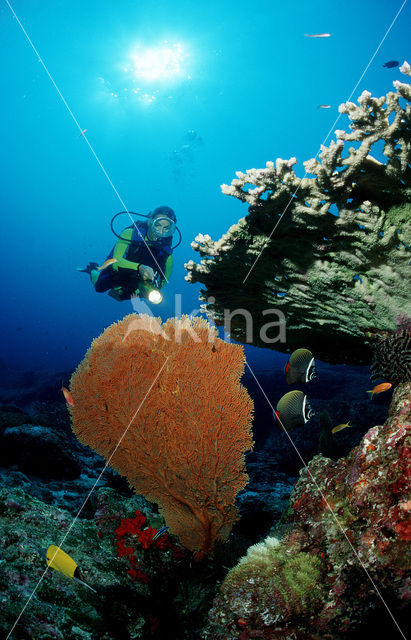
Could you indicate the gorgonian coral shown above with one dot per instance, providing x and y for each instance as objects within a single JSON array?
[{"x": 164, "y": 405}]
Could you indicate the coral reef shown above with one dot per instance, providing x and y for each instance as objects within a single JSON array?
[
  {"x": 180, "y": 439},
  {"x": 173, "y": 595},
  {"x": 391, "y": 355},
  {"x": 134, "y": 531},
  {"x": 321, "y": 580},
  {"x": 60, "y": 607},
  {"x": 292, "y": 581},
  {"x": 329, "y": 253}
]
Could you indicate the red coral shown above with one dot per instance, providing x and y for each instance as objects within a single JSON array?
[
  {"x": 138, "y": 575},
  {"x": 131, "y": 529}
]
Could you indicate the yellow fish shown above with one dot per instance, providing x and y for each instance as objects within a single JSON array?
[
  {"x": 107, "y": 263},
  {"x": 61, "y": 561},
  {"x": 379, "y": 388},
  {"x": 340, "y": 427}
]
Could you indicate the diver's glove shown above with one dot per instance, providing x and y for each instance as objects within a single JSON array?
[{"x": 146, "y": 273}]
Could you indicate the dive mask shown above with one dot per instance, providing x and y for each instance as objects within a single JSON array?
[{"x": 162, "y": 226}]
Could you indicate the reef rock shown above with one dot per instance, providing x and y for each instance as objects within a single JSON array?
[
  {"x": 328, "y": 256},
  {"x": 343, "y": 562}
]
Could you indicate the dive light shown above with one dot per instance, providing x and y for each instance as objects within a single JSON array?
[
  {"x": 150, "y": 292},
  {"x": 155, "y": 296}
]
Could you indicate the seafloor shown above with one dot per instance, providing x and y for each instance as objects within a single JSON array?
[{"x": 162, "y": 593}]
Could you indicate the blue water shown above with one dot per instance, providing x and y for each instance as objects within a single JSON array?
[{"x": 248, "y": 86}]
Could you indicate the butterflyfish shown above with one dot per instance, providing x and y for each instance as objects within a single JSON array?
[
  {"x": 293, "y": 410},
  {"x": 61, "y": 561},
  {"x": 300, "y": 367},
  {"x": 379, "y": 388},
  {"x": 107, "y": 263},
  {"x": 340, "y": 427},
  {"x": 67, "y": 395}
]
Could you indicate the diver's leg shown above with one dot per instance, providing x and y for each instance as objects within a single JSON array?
[{"x": 103, "y": 280}]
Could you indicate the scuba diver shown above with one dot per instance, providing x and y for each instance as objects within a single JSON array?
[{"x": 141, "y": 260}]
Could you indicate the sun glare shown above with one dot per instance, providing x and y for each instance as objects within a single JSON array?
[{"x": 158, "y": 63}]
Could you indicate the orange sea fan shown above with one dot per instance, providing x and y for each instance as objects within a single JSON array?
[{"x": 184, "y": 449}]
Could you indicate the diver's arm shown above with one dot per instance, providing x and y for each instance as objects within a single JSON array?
[
  {"x": 120, "y": 249},
  {"x": 168, "y": 267}
]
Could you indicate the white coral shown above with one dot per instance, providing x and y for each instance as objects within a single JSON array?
[{"x": 405, "y": 68}]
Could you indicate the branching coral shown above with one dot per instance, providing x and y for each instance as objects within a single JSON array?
[
  {"x": 365, "y": 536},
  {"x": 337, "y": 263},
  {"x": 180, "y": 439}
]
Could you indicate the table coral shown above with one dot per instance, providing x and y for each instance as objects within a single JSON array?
[
  {"x": 331, "y": 556},
  {"x": 338, "y": 262},
  {"x": 182, "y": 443}
]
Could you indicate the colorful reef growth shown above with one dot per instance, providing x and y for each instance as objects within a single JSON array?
[
  {"x": 165, "y": 407},
  {"x": 347, "y": 548},
  {"x": 338, "y": 263}
]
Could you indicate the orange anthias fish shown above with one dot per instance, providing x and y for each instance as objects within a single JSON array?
[
  {"x": 317, "y": 35},
  {"x": 379, "y": 388},
  {"x": 67, "y": 395},
  {"x": 107, "y": 263}
]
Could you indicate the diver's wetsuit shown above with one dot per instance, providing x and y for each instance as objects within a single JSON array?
[{"x": 123, "y": 276}]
